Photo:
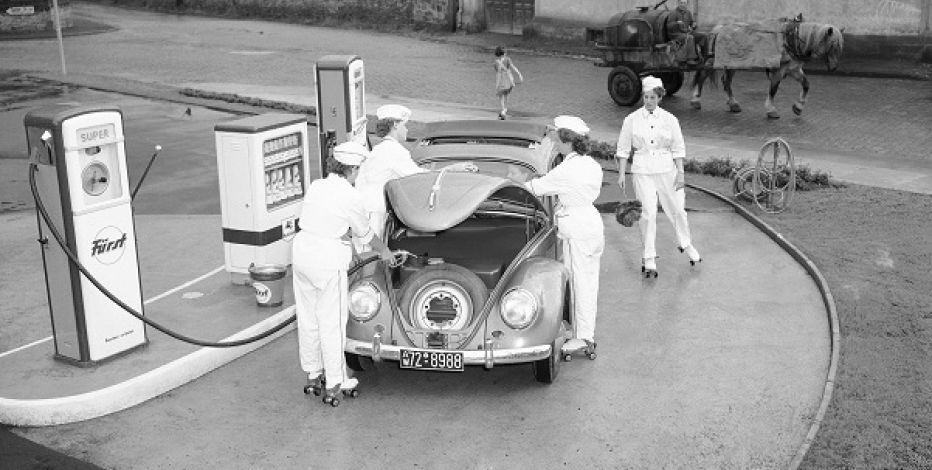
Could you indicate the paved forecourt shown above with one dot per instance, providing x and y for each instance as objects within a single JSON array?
[{"x": 721, "y": 364}]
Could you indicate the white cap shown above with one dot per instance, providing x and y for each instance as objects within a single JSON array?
[
  {"x": 571, "y": 123},
  {"x": 350, "y": 153},
  {"x": 393, "y": 111},
  {"x": 650, "y": 82}
]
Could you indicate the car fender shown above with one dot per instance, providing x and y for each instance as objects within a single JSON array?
[{"x": 548, "y": 281}]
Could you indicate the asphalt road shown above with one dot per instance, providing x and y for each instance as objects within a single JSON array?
[{"x": 881, "y": 118}]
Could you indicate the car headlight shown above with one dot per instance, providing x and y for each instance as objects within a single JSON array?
[
  {"x": 364, "y": 301},
  {"x": 519, "y": 308}
]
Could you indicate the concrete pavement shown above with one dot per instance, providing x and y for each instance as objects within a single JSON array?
[{"x": 715, "y": 365}]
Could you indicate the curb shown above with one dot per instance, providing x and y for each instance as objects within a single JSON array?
[
  {"x": 74, "y": 408},
  {"x": 827, "y": 298}
]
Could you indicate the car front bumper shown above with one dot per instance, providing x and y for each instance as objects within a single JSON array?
[{"x": 487, "y": 357}]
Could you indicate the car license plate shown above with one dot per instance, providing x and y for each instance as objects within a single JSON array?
[{"x": 432, "y": 360}]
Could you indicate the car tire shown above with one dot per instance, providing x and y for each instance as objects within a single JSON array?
[
  {"x": 445, "y": 276},
  {"x": 354, "y": 362},
  {"x": 546, "y": 370}
]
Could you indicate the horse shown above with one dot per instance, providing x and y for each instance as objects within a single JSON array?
[{"x": 802, "y": 42}]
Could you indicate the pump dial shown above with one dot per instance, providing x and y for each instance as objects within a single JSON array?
[{"x": 95, "y": 178}]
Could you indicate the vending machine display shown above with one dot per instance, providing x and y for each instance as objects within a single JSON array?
[{"x": 283, "y": 160}]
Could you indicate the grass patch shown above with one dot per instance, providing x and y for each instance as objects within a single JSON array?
[
  {"x": 806, "y": 177},
  {"x": 874, "y": 247}
]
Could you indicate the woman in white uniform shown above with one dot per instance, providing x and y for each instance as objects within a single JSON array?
[
  {"x": 389, "y": 160},
  {"x": 321, "y": 254},
  {"x": 576, "y": 182},
  {"x": 657, "y": 171}
]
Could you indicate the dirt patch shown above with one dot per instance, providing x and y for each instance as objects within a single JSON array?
[
  {"x": 873, "y": 247},
  {"x": 17, "y": 88}
]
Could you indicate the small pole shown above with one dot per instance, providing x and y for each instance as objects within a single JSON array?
[{"x": 61, "y": 44}]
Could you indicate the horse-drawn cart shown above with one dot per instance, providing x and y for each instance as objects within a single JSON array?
[{"x": 637, "y": 43}]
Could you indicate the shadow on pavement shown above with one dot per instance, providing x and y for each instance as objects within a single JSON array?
[{"x": 20, "y": 453}]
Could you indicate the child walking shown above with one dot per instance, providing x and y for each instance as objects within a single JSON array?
[{"x": 505, "y": 72}]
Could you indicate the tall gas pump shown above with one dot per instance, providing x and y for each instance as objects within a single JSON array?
[
  {"x": 341, "y": 103},
  {"x": 263, "y": 166},
  {"x": 81, "y": 179}
]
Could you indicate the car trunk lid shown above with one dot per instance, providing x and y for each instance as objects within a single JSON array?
[{"x": 437, "y": 200}]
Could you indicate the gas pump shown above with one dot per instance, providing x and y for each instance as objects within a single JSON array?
[
  {"x": 341, "y": 103},
  {"x": 263, "y": 165},
  {"x": 81, "y": 177}
]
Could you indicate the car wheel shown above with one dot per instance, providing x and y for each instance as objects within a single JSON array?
[
  {"x": 443, "y": 296},
  {"x": 546, "y": 370},
  {"x": 354, "y": 361}
]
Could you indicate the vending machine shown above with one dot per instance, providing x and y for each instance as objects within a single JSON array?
[
  {"x": 81, "y": 180},
  {"x": 263, "y": 167},
  {"x": 341, "y": 103}
]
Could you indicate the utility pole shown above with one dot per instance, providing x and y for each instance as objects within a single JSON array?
[
  {"x": 925, "y": 31},
  {"x": 61, "y": 44}
]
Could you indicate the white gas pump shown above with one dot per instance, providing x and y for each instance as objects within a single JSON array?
[
  {"x": 81, "y": 179},
  {"x": 263, "y": 166},
  {"x": 341, "y": 103}
]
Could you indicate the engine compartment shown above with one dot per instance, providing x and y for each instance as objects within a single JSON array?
[{"x": 484, "y": 243}]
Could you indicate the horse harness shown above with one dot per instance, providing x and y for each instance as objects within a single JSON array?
[{"x": 794, "y": 43}]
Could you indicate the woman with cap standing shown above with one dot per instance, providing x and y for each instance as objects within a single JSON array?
[
  {"x": 321, "y": 255},
  {"x": 576, "y": 182},
  {"x": 656, "y": 139},
  {"x": 389, "y": 160}
]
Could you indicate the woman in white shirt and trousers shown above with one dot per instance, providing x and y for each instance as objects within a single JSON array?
[
  {"x": 656, "y": 171},
  {"x": 333, "y": 212},
  {"x": 576, "y": 182}
]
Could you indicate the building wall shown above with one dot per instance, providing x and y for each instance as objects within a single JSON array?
[
  {"x": 858, "y": 17},
  {"x": 471, "y": 16}
]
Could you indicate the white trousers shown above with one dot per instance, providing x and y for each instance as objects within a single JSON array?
[
  {"x": 582, "y": 258},
  {"x": 650, "y": 188},
  {"x": 322, "y": 310}
]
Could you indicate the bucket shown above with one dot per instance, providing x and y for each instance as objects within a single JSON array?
[{"x": 269, "y": 284}]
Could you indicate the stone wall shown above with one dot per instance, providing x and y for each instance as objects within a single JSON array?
[
  {"x": 32, "y": 15},
  {"x": 862, "y": 17},
  {"x": 420, "y": 14}
]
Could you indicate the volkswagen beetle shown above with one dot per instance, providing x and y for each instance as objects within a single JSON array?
[{"x": 479, "y": 279}]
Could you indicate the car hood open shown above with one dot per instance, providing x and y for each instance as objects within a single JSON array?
[{"x": 438, "y": 200}]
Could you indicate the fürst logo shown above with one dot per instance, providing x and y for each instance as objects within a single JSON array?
[{"x": 108, "y": 245}]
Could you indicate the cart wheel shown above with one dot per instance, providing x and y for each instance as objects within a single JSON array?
[
  {"x": 672, "y": 81},
  {"x": 624, "y": 86},
  {"x": 774, "y": 180}
]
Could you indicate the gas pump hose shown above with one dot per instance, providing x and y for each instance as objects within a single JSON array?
[{"x": 33, "y": 168}]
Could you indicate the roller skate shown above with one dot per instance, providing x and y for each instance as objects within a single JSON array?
[
  {"x": 346, "y": 389},
  {"x": 576, "y": 345},
  {"x": 315, "y": 385},
  {"x": 692, "y": 254},
  {"x": 649, "y": 267}
]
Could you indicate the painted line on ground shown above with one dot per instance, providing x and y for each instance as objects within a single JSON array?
[{"x": 147, "y": 302}]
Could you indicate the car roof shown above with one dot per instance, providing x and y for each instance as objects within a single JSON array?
[
  {"x": 486, "y": 128},
  {"x": 484, "y": 139}
]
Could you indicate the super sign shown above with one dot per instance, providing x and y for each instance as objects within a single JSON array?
[{"x": 95, "y": 135}]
